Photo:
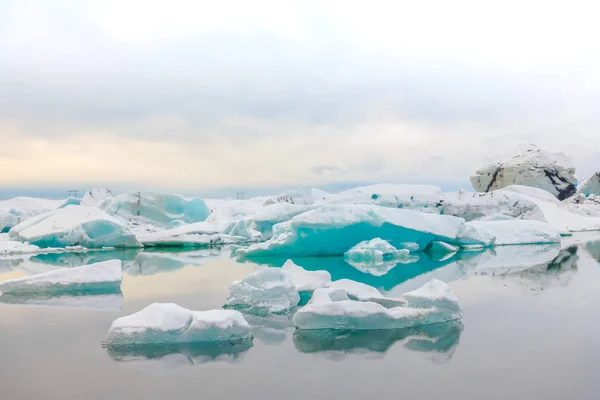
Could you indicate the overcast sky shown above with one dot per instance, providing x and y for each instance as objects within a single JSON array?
[{"x": 205, "y": 95}]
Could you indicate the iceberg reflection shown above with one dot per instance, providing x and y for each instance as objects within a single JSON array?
[
  {"x": 439, "y": 340},
  {"x": 97, "y": 302},
  {"x": 164, "y": 358}
]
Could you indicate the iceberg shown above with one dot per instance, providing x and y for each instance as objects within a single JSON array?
[
  {"x": 74, "y": 226},
  {"x": 374, "y": 250},
  {"x": 590, "y": 186},
  {"x": 103, "y": 277},
  {"x": 155, "y": 208},
  {"x": 18, "y": 209},
  {"x": 160, "y": 359},
  {"x": 307, "y": 281},
  {"x": 424, "y": 198},
  {"x": 199, "y": 234},
  {"x": 377, "y": 257},
  {"x": 529, "y": 166},
  {"x": 11, "y": 247},
  {"x": 438, "y": 247},
  {"x": 95, "y": 197},
  {"x": 266, "y": 217},
  {"x": 438, "y": 340},
  {"x": 332, "y": 309},
  {"x": 94, "y": 302},
  {"x": 509, "y": 232},
  {"x": 171, "y": 323},
  {"x": 269, "y": 290},
  {"x": 333, "y": 229}
]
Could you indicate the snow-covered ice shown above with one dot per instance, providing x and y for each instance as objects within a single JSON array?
[
  {"x": 269, "y": 290},
  {"x": 171, "y": 323},
  {"x": 510, "y": 232},
  {"x": 155, "y": 208},
  {"x": 74, "y": 226},
  {"x": 95, "y": 197},
  {"x": 331, "y": 308},
  {"x": 199, "y": 234},
  {"x": 529, "y": 166},
  {"x": 307, "y": 281},
  {"x": 103, "y": 277}
]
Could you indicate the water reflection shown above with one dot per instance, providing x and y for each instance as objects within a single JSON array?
[
  {"x": 559, "y": 271},
  {"x": 339, "y": 269},
  {"x": 164, "y": 358},
  {"x": 97, "y": 302},
  {"x": 270, "y": 330},
  {"x": 441, "y": 340}
]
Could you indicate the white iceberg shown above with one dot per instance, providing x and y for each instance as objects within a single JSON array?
[
  {"x": 590, "y": 186},
  {"x": 424, "y": 198},
  {"x": 529, "y": 166},
  {"x": 74, "y": 226},
  {"x": 307, "y": 281},
  {"x": 155, "y": 208},
  {"x": 102, "y": 277},
  {"x": 332, "y": 230},
  {"x": 199, "y": 234},
  {"x": 171, "y": 323},
  {"x": 266, "y": 217},
  {"x": 95, "y": 197},
  {"x": 269, "y": 290},
  {"x": 18, "y": 209},
  {"x": 511, "y": 232},
  {"x": 331, "y": 308}
]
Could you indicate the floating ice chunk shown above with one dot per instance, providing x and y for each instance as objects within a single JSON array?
[
  {"x": 590, "y": 186},
  {"x": 332, "y": 230},
  {"x": 11, "y": 247},
  {"x": 529, "y": 166},
  {"x": 330, "y": 310},
  {"x": 307, "y": 280},
  {"x": 103, "y": 277},
  {"x": 442, "y": 248},
  {"x": 155, "y": 208},
  {"x": 374, "y": 250},
  {"x": 434, "y": 294},
  {"x": 269, "y": 290},
  {"x": 199, "y": 234},
  {"x": 160, "y": 359},
  {"x": 72, "y": 226},
  {"x": 511, "y": 232},
  {"x": 97, "y": 302},
  {"x": 171, "y": 323}
]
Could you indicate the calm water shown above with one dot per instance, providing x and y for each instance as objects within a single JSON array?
[{"x": 529, "y": 332}]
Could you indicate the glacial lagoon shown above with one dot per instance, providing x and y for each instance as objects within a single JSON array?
[{"x": 527, "y": 331}]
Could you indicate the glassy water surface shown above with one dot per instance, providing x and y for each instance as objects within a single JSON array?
[{"x": 529, "y": 331}]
